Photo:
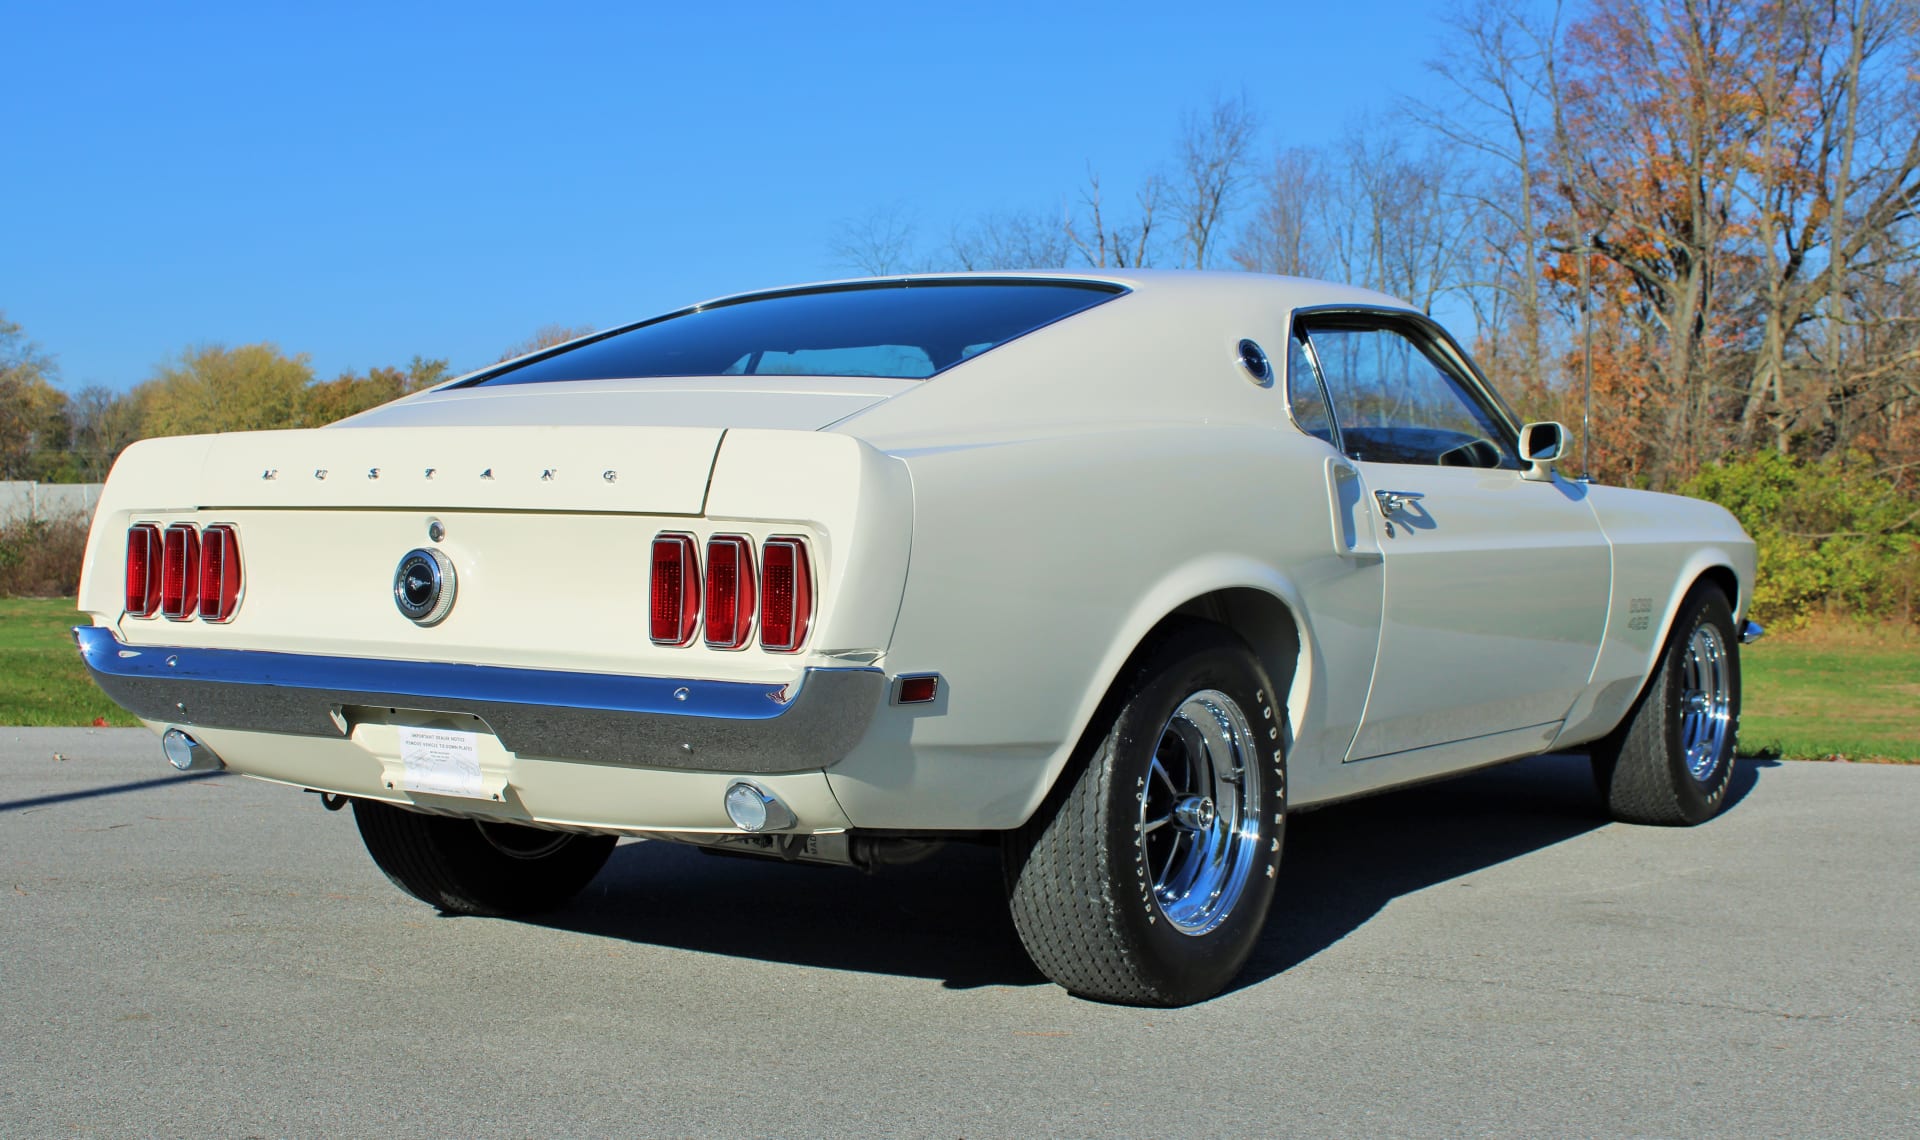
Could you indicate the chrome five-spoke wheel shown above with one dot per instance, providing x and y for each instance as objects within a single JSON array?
[
  {"x": 1197, "y": 816},
  {"x": 1147, "y": 878},
  {"x": 1671, "y": 760},
  {"x": 1706, "y": 701}
]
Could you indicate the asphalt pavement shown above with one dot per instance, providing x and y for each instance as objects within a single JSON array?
[{"x": 217, "y": 957}]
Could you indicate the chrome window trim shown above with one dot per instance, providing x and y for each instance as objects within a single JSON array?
[
  {"x": 1419, "y": 327},
  {"x": 1294, "y": 333},
  {"x": 1113, "y": 289}
]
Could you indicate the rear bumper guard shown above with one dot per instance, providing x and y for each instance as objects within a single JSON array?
[{"x": 601, "y": 718}]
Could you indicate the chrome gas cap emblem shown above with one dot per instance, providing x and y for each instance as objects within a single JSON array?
[
  {"x": 423, "y": 585},
  {"x": 1253, "y": 358}
]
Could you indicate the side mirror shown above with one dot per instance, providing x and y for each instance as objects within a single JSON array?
[{"x": 1541, "y": 446}]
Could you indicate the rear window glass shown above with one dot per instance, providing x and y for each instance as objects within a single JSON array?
[{"x": 910, "y": 330}]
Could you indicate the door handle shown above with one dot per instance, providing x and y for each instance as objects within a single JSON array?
[{"x": 1391, "y": 501}]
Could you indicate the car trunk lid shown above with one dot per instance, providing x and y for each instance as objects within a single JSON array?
[
  {"x": 658, "y": 470},
  {"x": 803, "y": 403}
]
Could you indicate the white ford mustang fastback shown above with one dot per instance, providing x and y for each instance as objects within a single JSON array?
[{"x": 1113, "y": 569}]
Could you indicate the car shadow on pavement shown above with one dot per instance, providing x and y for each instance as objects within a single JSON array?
[
  {"x": 946, "y": 918},
  {"x": 107, "y": 790},
  {"x": 1345, "y": 863}
]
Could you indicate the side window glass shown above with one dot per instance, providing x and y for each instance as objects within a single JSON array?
[
  {"x": 1304, "y": 398},
  {"x": 1398, "y": 405}
]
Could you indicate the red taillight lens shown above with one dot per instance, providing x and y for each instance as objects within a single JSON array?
[
  {"x": 143, "y": 570},
  {"x": 918, "y": 690},
  {"x": 676, "y": 590},
  {"x": 179, "y": 571},
  {"x": 730, "y": 591},
  {"x": 219, "y": 573},
  {"x": 786, "y": 594}
]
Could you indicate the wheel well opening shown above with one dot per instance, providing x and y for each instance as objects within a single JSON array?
[
  {"x": 1263, "y": 621},
  {"x": 1723, "y": 577}
]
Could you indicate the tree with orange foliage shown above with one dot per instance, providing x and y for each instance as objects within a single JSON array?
[{"x": 1745, "y": 174}]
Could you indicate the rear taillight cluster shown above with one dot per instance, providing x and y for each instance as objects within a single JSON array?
[
  {"x": 734, "y": 597},
  {"x": 183, "y": 572}
]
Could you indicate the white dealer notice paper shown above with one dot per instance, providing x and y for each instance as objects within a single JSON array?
[{"x": 442, "y": 762}]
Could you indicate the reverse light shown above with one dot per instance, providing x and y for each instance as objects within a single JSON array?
[
  {"x": 786, "y": 594},
  {"x": 675, "y": 588},
  {"x": 730, "y": 591},
  {"x": 219, "y": 573},
  {"x": 179, "y": 572},
  {"x": 143, "y": 570}
]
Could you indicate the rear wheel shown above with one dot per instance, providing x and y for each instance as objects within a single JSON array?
[
  {"x": 1671, "y": 761},
  {"x": 1147, "y": 878},
  {"x": 465, "y": 866}
]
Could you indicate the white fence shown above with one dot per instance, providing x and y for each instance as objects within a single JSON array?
[{"x": 22, "y": 500}]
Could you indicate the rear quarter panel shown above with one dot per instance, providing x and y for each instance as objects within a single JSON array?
[
  {"x": 1070, "y": 491},
  {"x": 1038, "y": 565}
]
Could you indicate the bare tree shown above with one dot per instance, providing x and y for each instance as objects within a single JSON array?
[
  {"x": 1500, "y": 112},
  {"x": 103, "y": 422},
  {"x": 1872, "y": 114},
  {"x": 1280, "y": 236},
  {"x": 1215, "y": 165},
  {"x": 1387, "y": 221},
  {"x": 1013, "y": 240},
  {"x": 878, "y": 243},
  {"x": 1119, "y": 245}
]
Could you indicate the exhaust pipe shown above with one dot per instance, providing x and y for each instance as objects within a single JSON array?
[{"x": 188, "y": 754}]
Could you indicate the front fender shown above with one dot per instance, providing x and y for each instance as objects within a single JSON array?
[{"x": 1662, "y": 546}]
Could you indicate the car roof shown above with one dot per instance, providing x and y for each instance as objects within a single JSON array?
[{"x": 1184, "y": 284}]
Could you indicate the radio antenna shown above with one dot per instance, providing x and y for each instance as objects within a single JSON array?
[{"x": 1586, "y": 337}]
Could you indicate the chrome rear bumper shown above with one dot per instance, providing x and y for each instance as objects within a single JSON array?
[{"x": 601, "y": 718}]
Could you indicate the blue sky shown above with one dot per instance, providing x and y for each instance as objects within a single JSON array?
[{"x": 363, "y": 183}]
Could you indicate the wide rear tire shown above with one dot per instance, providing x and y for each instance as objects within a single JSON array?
[
  {"x": 1670, "y": 762},
  {"x": 466, "y": 867},
  {"x": 1147, "y": 876}
]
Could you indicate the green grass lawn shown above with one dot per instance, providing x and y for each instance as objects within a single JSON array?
[
  {"x": 1807, "y": 697},
  {"x": 1815, "y": 695},
  {"x": 41, "y": 678}
]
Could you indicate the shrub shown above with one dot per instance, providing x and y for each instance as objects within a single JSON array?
[
  {"x": 41, "y": 557},
  {"x": 1833, "y": 535}
]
